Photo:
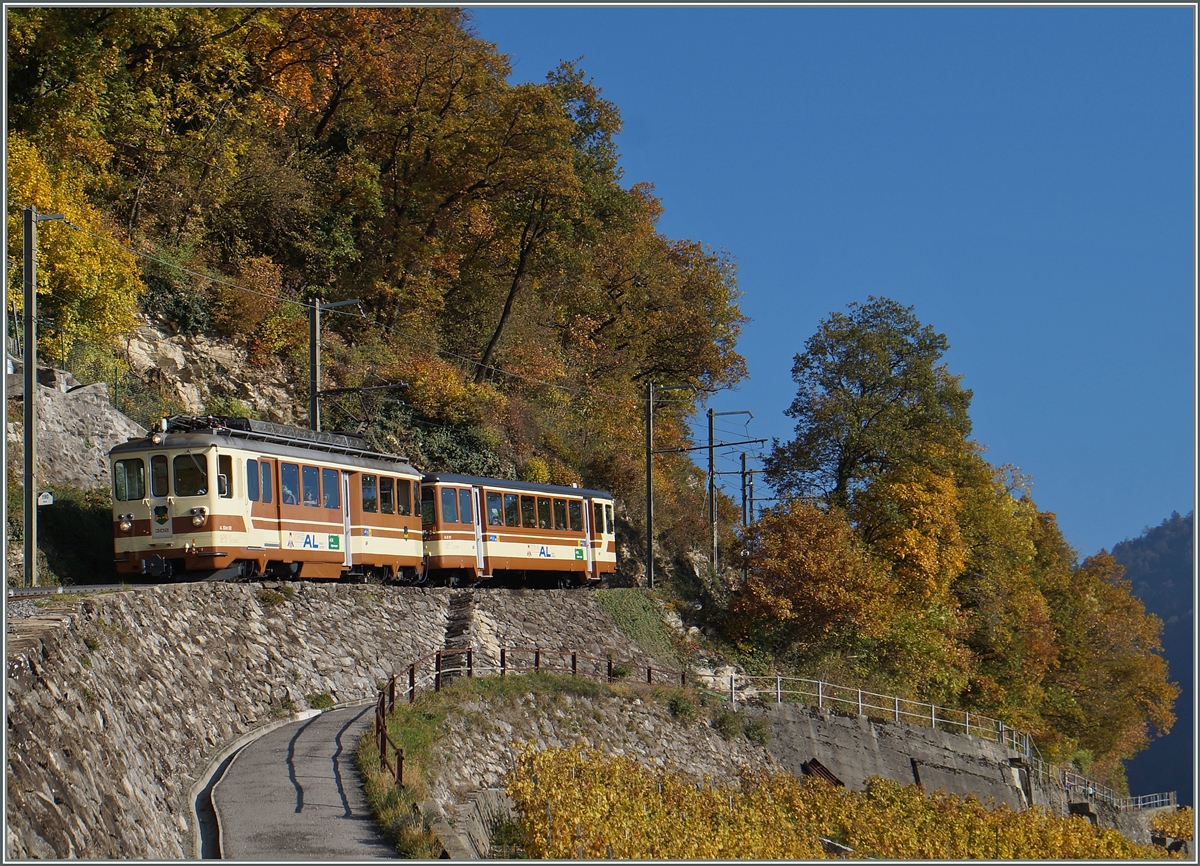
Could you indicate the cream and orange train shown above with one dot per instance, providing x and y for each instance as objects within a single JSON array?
[{"x": 234, "y": 498}]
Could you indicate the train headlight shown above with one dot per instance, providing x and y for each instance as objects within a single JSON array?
[
  {"x": 126, "y": 523},
  {"x": 199, "y": 515},
  {"x": 157, "y": 438}
]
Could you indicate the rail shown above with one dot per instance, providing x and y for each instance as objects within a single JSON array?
[{"x": 436, "y": 668}]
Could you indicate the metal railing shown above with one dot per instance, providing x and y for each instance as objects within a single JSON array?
[
  {"x": 886, "y": 707},
  {"x": 434, "y": 669}
]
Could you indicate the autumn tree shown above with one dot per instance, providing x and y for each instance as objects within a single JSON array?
[{"x": 872, "y": 395}]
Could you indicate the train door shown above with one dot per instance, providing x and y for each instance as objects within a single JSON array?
[
  {"x": 159, "y": 498},
  {"x": 477, "y": 497},
  {"x": 264, "y": 508},
  {"x": 347, "y": 560},
  {"x": 590, "y": 541}
]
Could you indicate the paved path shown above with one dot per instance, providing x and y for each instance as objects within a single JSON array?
[{"x": 295, "y": 794}]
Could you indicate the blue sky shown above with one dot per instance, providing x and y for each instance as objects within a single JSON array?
[{"x": 1023, "y": 177}]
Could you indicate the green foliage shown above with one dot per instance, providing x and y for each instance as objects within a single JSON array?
[
  {"x": 227, "y": 406},
  {"x": 683, "y": 708},
  {"x": 871, "y": 396},
  {"x": 640, "y": 618},
  {"x": 726, "y": 723},
  {"x": 756, "y": 731},
  {"x": 319, "y": 701}
]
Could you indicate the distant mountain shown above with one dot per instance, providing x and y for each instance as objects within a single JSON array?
[{"x": 1159, "y": 563}]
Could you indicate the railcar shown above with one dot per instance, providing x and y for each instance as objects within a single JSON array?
[
  {"x": 485, "y": 528},
  {"x": 230, "y": 497}
]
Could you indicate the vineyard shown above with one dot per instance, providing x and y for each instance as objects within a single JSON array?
[{"x": 584, "y": 804}]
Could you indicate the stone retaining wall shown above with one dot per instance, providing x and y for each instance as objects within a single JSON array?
[{"x": 117, "y": 703}]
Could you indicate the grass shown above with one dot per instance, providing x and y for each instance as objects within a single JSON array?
[
  {"x": 639, "y": 618},
  {"x": 321, "y": 701}
]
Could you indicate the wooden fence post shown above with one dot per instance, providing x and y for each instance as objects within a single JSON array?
[
  {"x": 437, "y": 671},
  {"x": 470, "y": 664},
  {"x": 412, "y": 683},
  {"x": 503, "y": 663}
]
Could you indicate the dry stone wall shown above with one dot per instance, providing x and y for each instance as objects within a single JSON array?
[{"x": 117, "y": 703}]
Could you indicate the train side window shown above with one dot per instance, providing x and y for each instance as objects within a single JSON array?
[
  {"x": 449, "y": 505},
  {"x": 387, "y": 499},
  {"x": 495, "y": 511},
  {"x": 252, "y": 480},
  {"x": 331, "y": 488},
  {"x": 560, "y": 514},
  {"x": 575, "y": 508},
  {"x": 543, "y": 512},
  {"x": 129, "y": 479},
  {"x": 225, "y": 475},
  {"x": 512, "y": 513},
  {"x": 403, "y": 503},
  {"x": 465, "y": 511},
  {"x": 267, "y": 485},
  {"x": 289, "y": 480},
  {"x": 598, "y": 515},
  {"x": 428, "y": 517},
  {"x": 158, "y": 475},
  {"x": 528, "y": 512},
  {"x": 191, "y": 475},
  {"x": 370, "y": 501},
  {"x": 609, "y": 519},
  {"x": 311, "y": 485}
]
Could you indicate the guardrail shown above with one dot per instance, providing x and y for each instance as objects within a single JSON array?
[{"x": 448, "y": 663}]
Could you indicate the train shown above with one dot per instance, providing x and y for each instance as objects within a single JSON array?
[{"x": 208, "y": 497}]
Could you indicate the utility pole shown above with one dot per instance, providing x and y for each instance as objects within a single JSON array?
[
  {"x": 745, "y": 514},
  {"x": 712, "y": 479},
  {"x": 32, "y": 218},
  {"x": 650, "y": 389},
  {"x": 314, "y": 357}
]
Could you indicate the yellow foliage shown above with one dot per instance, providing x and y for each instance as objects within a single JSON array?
[
  {"x": 439, "y": 390},
  {"x": 86, "y": 283},
  {"x": 583, "y": 804},
  {"x": 1179, "y": 824}
]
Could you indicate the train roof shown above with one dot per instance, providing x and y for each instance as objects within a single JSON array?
[
  {"x": 277, "y": 440},
  {"x": 504, "y": 484}
]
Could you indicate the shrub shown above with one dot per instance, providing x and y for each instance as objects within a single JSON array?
[
  {"x": 756, "y": 730},
  {"x": 320, "y": 701},
  {"x": 682, "y": 708},
  {"x": 726, "y": 723}
]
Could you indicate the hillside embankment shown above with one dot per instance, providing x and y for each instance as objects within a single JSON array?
[{"x": 118, "y": 704}]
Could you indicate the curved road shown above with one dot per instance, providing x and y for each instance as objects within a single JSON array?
[{"x": 294, "y": 794}]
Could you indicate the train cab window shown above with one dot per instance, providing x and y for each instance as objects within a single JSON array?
[
  {"x": 267, "y": 486},
  {"x": 575, "y": 509},
  {"x": 289, "y": 480},
  {"x": 403, "y": 503},
  {"x": 466, "y": 511},
  {"x": 225, "y": 476},
  {"x": 331, "y": 488},
  {"x": 528, "y": 512},
  {"x": 449, "y": 505},
  {"x": 428, "y": 516},
  {"x": 387, "y": 495},
  {"x": 512, "y": 513},
  {"x": 129, "y": 479},
  {"x": 158, "y": 475},
  {"x": 560, "y": 514},
  {"x": 370, "y": 500},
  {"x": 416, "y": 495},
  {"x": 252, "y": 480},
  {"x": 598, "y": 515},
  {"x": 609, "y": 519},
  {"x": 191, "y": 475},
  {"x": 311, "y": 485},
  {"x": 543, "y": 512},
  {"x": 495, "y": 511}
]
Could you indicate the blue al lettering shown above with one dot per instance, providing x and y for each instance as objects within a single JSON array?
[
  {"x": 546, "y": 553},
  {"x": 310, "y": 541}
]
